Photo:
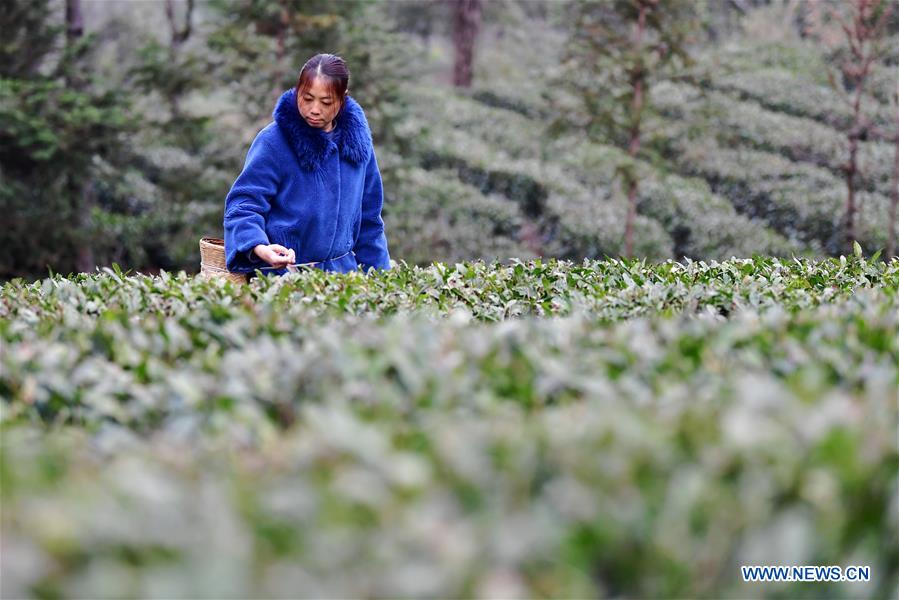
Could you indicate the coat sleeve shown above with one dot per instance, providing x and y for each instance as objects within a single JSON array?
[
  {"x": 247, "y": 205},
  {"x": 371, "y": 246}
]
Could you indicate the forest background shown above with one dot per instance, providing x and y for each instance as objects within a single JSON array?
[{"x": 503, "y": 129}]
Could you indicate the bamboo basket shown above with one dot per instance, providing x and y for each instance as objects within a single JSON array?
[{"x": 212, "y": 261}]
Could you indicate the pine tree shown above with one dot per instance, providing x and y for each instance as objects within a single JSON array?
[{"x": 55, "y": 123}]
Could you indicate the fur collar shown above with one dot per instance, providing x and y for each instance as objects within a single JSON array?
[{"x": 351, "y": 133}]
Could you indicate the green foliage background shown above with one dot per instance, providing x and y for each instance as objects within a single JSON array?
[{"x": 121, "y": 148}]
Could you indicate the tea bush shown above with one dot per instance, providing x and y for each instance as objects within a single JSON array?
[
  {"x": 436, "y": 217},
  {"x": 701, "y": 224},
  {"x": 539, "y": 428},
  {"x": 743, "y": 123},
  {"x": 781, "y": 91},
  {"x": 803, "y": 202}
]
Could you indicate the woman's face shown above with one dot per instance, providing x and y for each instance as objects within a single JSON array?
[{"x": 318, "y": 106}]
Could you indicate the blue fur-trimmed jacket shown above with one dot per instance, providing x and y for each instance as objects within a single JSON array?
[{"x": 315, "y": 192}]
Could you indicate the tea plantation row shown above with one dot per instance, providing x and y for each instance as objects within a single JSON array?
[{"x": 424, "y": 433}]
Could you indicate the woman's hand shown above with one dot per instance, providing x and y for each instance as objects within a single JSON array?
[{"x": 275, "y": 254}]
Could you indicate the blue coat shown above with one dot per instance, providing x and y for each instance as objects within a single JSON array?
[{"x": 316, "y": 193}]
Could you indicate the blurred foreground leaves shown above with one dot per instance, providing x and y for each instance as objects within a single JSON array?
[{"x": 419, "y": 432}]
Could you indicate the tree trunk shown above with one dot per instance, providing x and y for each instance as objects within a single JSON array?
[
  {"x": 852, "y": 165},
  {"x": 179, "y": 35},
  {"x": 894, "y": 198},
  {"x": 466, "y": 22},
  {"x": 851, "y": 169},
  {"x": 638, "y": 81},
  {"x": 281, "y": 51},
  {"x": 530, "y": 236},
  {"x": 629, "y": 221},
  {"x": 79, "y": 186},
  {"x": 74, "y": 20}
]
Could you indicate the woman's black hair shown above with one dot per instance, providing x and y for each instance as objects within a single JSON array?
[{"x": 333, "y": 71}]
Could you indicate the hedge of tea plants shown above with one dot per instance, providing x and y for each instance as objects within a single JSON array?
[
  {"x": 540, "y": 428},
  {"x": 565, "y": 187},
  {"x": 747, "y": 123},
  {"x": 803, "y": 202},
  {"x": 749, "y": 163}
]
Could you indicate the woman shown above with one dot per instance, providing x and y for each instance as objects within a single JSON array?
[{"x": 310, "y": 190}]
